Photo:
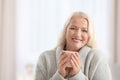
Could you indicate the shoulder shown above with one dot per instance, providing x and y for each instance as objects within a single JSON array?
[
  {"x": 91, "y": 55},
  {"x": 98, "y": 64},
  {"x": 94, "y": 58},
  {"x": 47, "y": 54},
  {"x": 47, "y": 57},
  {"x": 44, "y": 62},
  {"x": 96, "y": 55}
]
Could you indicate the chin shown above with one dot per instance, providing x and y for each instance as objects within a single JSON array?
[{"x": 78, "y": 46}]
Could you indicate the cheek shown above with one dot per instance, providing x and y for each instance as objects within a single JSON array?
[
  {"x": 69, "y": 34},
  {"x": 86, "y": 37}
]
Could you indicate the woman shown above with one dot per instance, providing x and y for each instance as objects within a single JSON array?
[{"x": 87, "y": 63}]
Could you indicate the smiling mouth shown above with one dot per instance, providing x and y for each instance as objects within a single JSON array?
[{"x": 76, "y": 40}]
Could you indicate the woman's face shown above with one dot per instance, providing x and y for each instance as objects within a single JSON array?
[{"x": 77, "y": 33}]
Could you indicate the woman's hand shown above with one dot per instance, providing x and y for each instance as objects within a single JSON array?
[
  {"x": 62, "y": 64},
  {"x": 76, "y": 64}
]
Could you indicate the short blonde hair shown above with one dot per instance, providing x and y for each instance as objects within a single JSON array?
[{"x": 92, "y": 40}]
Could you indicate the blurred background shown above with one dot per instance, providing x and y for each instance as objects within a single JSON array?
[{"x": 29, "y": 27}]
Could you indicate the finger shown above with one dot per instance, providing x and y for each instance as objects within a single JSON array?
[
  {"x": 62, "y": 56},
  {"x": 62, "y": 61},
  {"x": 79, "y": 58},
  {"x": 65, "y": 65},
  {"x": 76, "y": 56},
  {"x": 75, "y": 63},
  {"x": 62, "y": 70},
  {"x": 72, "y": 63}
]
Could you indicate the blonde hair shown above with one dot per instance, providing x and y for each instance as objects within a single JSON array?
[{"x": 92, "y": 40}]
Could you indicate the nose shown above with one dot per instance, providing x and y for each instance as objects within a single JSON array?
[{"x": 78, "y": 33}]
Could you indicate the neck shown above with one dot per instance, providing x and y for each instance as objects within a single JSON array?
[{"x": 70, "y": 49}]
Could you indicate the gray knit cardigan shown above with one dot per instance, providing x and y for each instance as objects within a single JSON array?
[{"x": 94, "y": 65}]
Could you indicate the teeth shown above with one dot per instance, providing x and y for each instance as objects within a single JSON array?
[{"x": 76, "y": 39}]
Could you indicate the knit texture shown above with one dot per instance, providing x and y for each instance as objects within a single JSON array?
[{"x": 94, "y": 65}]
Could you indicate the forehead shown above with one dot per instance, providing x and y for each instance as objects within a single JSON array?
[{"x": 80, "y": 21}]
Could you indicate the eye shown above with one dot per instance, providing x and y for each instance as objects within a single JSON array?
[
  {"x": 72, "y": 28},
  {"x": 84, "y": 30}
]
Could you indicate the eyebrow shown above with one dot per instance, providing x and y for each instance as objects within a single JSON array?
[
  {"x": 73, "y": 25},
  {"x": 77, "y": 26}
]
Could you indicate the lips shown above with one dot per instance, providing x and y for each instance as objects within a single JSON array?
[{"x": 76, "y": 39}]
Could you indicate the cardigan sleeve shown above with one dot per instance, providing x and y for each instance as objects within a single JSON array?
[
  {"x": 41, "y": 71},
  {"x": 98, "y": 67},
  {"x": 102, "y": 71},
  {"x": 79, "y": 76}
]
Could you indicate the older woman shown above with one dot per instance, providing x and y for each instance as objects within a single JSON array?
[{"x": 85, "y": 62}]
